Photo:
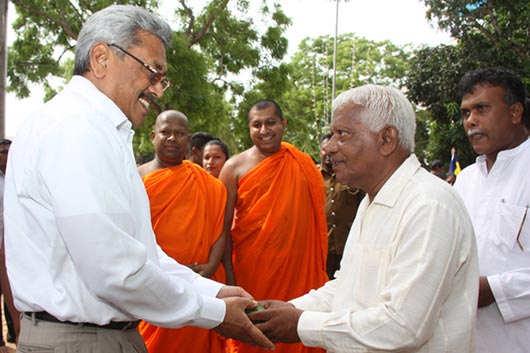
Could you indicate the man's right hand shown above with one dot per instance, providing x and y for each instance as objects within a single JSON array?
[{"x": 237, "y": 325}]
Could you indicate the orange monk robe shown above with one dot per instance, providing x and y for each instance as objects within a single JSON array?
[
  {"x": 280, "y": 233},
  {"x": 187, "y": 212}
]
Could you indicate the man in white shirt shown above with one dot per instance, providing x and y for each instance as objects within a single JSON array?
[
  {"x": 81, "y": 254},
  {"x": 408, "y": 278},
  {"x": 496, "y": 191}
]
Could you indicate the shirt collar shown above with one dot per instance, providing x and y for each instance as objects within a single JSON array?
[
  {"x": 505, "y": 155},
  {"x": 98, "y": 100},
  {"x": 389, "y": 193}
]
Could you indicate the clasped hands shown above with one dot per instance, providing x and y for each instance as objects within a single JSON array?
[{"x": 277, "y": 323}]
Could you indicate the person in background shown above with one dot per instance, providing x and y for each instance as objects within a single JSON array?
[
  {"x": 187, "y": 211},
  {"x": 437, "y": 168},
  {"x": 341, "y": 207},
  {"x": 83, "y": 262},
  {"x": 196, "y": 146},
  {"x": 11, "y": 315},
  {"x": 496, "y": 191},
  {"x": 408, "y": 278},
  {"x": 215, "y": 155},
  {"x": 279, "y": 232}
]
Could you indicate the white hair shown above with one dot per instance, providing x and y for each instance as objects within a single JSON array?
[{"x": 382, "y": 106}]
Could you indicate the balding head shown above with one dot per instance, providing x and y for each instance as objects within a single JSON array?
[{"x": 170, "y": 138}]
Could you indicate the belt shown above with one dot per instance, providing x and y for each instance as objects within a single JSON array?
[{"x": 113, "y": 325}]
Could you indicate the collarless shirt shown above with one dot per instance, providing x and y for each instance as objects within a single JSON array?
[
  {"x": 408, "y": 277},
  {"x": 498, "y": 203},
  {"x": 79, "y": 241}
]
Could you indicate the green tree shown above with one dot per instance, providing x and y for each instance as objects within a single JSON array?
[
  {"x": 307, "y": 99},
  {"x": 212, "y": 46},
  {"x": 488, "y": 33}
]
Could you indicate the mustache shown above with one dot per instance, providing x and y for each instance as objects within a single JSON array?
[
  {"x": 474, "y": 132},
  {"x": 151, "y": 99}
]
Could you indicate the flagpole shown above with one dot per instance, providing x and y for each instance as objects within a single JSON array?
[{"x": 334, "y": 80}]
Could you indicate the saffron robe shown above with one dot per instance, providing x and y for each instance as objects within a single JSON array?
[
  {"x": 187, "y": 212},
  {"x": 280, "y": 233}
]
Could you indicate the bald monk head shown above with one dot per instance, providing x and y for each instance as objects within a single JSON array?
[{"x": 170, "y": 139}]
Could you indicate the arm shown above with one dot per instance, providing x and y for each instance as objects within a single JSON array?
[
  {"x": 230, "y": 178},
  {"x": 420, "y": 276},
  {"x": 216, "y": 254}
]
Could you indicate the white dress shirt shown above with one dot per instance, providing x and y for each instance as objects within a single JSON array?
[
  {"x": 79, "y": 241},
  {"x": 497, "y": 203},
  {"x": 408, "y": 280}
]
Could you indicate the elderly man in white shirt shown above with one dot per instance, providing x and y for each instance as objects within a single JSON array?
[
  {"x": 408, "y": 281},
  {"x": 496, "y": 191},
  {"x": 81, "y": 253}
]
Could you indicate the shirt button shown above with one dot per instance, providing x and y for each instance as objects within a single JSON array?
[
  {"x": 333, "y": 213},
  {"x": 332, "y": 201},
  {"x": 334, "y": 226}
]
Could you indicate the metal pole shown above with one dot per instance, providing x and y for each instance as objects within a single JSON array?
[
  {"x": 3, "y": 65},
  {"x": 334, "y": 59}
]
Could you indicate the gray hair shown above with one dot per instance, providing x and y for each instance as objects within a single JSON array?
[
  {"x": 117, "y": 24},
  {"x": 382, "y": 106}
]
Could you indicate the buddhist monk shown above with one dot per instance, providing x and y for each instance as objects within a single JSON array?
[
  {"x": 187, "y": 212},
  {"x": 279, "y": 234}
]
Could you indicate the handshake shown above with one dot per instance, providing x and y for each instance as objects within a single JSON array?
[{"x": 259, "y": 324}]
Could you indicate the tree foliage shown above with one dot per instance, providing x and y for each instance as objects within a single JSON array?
[
  {"x": 308, "y": 96},
  {"x": 212, "y": 45},
  {"x": 488, "y": 33}
]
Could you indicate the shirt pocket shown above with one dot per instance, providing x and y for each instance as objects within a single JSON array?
[{"x": 509, "y": 226}]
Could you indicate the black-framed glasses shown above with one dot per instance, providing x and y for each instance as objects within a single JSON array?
[{"x": 156, "y": 76}]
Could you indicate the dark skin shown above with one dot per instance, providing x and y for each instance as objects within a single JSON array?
[
  {"x": 492, "y": 126},
  {"x": 366, "y": 159}
]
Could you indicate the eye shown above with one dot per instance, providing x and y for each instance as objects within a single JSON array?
[{"x": 465, "y": 114}]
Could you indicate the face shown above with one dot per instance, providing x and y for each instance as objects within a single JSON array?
[
  {"x": 4, "y": 149},
  {"x": 491, "y": 125},
  {"x": 324, "y": 157},
  {"x": 266, "y": 130},
  {"x": 352, "y": 148},
  {"x": 213, "y": 159},
  {"x": 131, "y": 88},
  {"x": 170, "y": 140}
]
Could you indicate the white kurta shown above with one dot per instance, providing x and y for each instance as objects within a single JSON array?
[
  {"x": 408, "y": 280},
  {"x": 79, "y": 241},
  {"x": 497, "y": 203}
]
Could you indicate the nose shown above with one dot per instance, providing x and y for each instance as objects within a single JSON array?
[
  {"x": 263, "y": 129},
  {"x": 471, "y": 121},
  {"x": 156, "y": 90},
  {"x": 330, "y": 147}
]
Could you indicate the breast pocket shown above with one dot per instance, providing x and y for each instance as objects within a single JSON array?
[{"x": 511, "y": 227}]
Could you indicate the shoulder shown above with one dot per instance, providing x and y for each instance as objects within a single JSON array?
[{"x": 146, "y": 168}]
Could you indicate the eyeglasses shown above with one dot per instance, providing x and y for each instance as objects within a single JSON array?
[{"x": 156, "y": 76}]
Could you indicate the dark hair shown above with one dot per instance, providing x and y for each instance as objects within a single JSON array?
[
  {"x": 494, "y": 76},
  {"x": 436, "y": 164},
  {"x": 264, "y": 104},
  {"x": 325, "y": 137},
  {"x": 199, "y": 139},
  {"x": 221, "y": 144},
  {"x": 5, "y": 141}
]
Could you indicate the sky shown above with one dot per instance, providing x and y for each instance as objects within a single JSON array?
[{"x": 400, "y": 21}]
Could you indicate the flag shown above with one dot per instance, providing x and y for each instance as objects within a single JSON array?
[{"x": 454, "y": 167}]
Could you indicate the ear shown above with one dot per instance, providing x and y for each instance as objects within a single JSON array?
[
  {"x": 284, "y": 122},
  {"x": 99, "y": 59},
  {"x": 516, "y": 111},
  {"x": 389, "y": 140},
  {"x": 152, "y": 136}
]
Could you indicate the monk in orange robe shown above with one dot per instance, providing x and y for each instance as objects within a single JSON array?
[
  {"x": 279, "y": 233},
  {"x": 187, "y": 212}
]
